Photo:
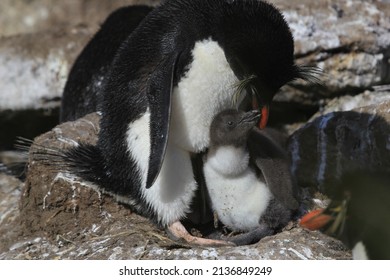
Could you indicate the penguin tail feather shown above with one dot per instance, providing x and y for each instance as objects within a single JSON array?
[
  {"x": 15, "y": 162},
  {"x": 83, "y": 160}
]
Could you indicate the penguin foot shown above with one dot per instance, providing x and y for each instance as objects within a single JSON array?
[
  {"x": 176, "y": 231},
  {"x": 250, "y": 237}
]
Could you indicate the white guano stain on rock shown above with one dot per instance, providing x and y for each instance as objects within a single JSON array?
[
  {"x": 307, "y": 252},
  {"x": 299, "y": 255},
  {"x": 117, "y": 251}
]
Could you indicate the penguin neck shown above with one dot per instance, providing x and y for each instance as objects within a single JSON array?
[{"x": 228, "y": 160}]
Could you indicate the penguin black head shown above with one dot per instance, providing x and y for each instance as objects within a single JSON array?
[
  {"x": 232, "y": 127},
  {"x": 262, "y": 39},
  {"x": 259, "y": 47}
]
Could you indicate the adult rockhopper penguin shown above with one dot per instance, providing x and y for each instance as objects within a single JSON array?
[
  {"x": 185, "y": 61},
  {"x": 358, "y": 213}
]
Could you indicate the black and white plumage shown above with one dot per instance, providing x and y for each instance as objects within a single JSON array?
[
  {"x": 358, "y": 213},
  {"x": 248, "y": 178},
  {"x": 175, "y": 71}
]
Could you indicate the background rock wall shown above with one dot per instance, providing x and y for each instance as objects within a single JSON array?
[
  {"x": 30, "y": 16},
  {"x": 40, "y": 39}
]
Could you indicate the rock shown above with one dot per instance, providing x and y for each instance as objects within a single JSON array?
[
  {"x": 33, "y": 76},
  {"x": 10, "y": 191},
  {"x": 137, "y": 243},
  {"x": 324, "y": 25},
  {"x": 353, "y": 72},
  {"x": 59, "y": 194},
  {"x": 340, "y": 142},
  {"x": 20, "y": 16},
  {"x": 64, "y": 218},
  {"x": 348, "y": 102},
  {"x": 343, "y": 103},
  {"x": 352, "y": 49}
]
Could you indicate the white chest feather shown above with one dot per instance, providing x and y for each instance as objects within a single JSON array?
[
  {"x": 171, "y": 194},
  {"x": 359, "y": 251},
  {"x": 205, "y": 90},
  {"x": 238, "y": 197}
]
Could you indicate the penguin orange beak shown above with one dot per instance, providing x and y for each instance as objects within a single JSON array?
[
  {"x": 315, "y": 220},
  {"x": 264, "y": 117},
  {"x": 264, "y": 113}
]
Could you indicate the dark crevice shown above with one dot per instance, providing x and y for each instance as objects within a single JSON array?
[
  {"x": 283, "y": 112},
  {"x": 338, "y": 50},
  {"x": 25, "y": 123},
  {"x": 344, "y": 49}
]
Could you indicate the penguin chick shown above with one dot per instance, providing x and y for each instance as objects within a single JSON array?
[{"x": 249, "y": 184}]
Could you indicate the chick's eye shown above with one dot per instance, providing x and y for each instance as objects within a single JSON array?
[{"x": 230, "y": 123}]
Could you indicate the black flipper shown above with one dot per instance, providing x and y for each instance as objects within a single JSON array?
[
  {"x": 159, "y": 96},
  {"x": 273, "y": 162}
]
